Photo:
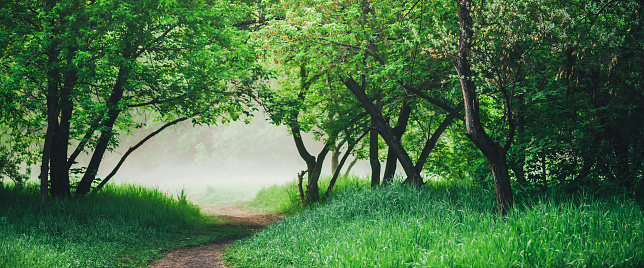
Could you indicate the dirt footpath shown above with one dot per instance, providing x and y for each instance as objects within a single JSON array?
[{"x": 210, "y": 255}]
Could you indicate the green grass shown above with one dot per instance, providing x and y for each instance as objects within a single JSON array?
[
  {"x": 285, "y": 198},
  {"x": 450, "y": 226},
  {"x": 121, "y": 226}
]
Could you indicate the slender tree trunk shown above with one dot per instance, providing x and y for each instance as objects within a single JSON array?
[
  {"x": 335, "y": 156},
  {"x": 431, "y": 142},
  {"x": 398, "y": 131},
  {"x": 131, "y": 149},
  {"x": 494, "y": 153},
  {"x": 336, "y": 174},
  {"x": 81, "y": 145},
  {"x": 113, "y": 112},
  {"x": 300, "y": 178},
  {"x": 390, "y": 168},
  {"x": 350, "y": 166},
  {"x": 374, "y": 160},
  {"x": 53, "y": 86},
  {"x": 44, "y": 166},
  {"x": 413, "y": 176}
]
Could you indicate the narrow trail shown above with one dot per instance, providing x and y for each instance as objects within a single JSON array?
[{"x": 210, "y": 255}]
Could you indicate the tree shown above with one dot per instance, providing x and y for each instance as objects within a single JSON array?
[
  {"x": 97, "y": 63},
  {"x": 368, "y": 47},
  {"x": 494, "y": 153},
  {"x": 304, "y": 105}
]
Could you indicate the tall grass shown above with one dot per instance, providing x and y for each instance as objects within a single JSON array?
[
  {"x": 285, "y": 198},
  {"x": 119, "y": 226},
  {"x": 448, "y": 226}
]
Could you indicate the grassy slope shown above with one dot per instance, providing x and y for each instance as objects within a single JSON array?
[
  {"x": 119, "y": 226},
  {"x": 449, "y": 226}
]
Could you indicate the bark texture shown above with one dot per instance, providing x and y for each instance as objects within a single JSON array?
[
  {"x": 413, "y": 176},
  {"x": 493, "y": 152}
]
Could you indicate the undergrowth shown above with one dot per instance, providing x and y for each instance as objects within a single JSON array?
[
  {"x": 120, "y": 226},
  {"x": 285, "y": 198},
  {"x": 445, "y": 225}
]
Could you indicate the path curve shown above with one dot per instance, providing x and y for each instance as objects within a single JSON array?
[{"x": 210, "y": 255}]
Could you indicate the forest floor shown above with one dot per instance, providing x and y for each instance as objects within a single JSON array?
[{"x": 235, "y": 217}]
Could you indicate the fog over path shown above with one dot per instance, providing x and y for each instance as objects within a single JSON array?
[{"x": 215, "y": 165}]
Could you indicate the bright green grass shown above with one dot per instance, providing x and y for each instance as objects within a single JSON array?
[
  {"x": 448, "y": 226},
  {"x": 121, "y": 226},
  {"x": 285, "y": 198}
]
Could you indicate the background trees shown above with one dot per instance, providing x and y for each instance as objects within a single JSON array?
[
  {"x": 548, "y": 92},
  {"x": 84, "y": 70}
]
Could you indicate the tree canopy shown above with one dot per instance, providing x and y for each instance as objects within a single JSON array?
[{"x": 533, "y": 92}]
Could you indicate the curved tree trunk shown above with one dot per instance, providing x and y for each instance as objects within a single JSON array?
[
  {"x": 131, "y": 149},
  {"x": 350, "y": 166},
  {"x": 113, "y": 112},
  {"x": 493, "y": 152},
  {"x": 398, "y": 131},
  {"x": 433, "y": 139},
  {"x": 413, "y": 176},
  {"x": 336, "y": 174}
]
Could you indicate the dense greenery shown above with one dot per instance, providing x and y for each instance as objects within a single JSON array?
[
  {"x": 539, "y": 100},
  {"x": 75, "y": 73},
  {"x": 446, "y": 225},
  {"x": 550, "y": 91},
  {"x": 545, "y": 92},
  {"x": 123, "y": 226}
]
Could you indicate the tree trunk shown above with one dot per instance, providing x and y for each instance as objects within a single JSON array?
[
  {"x": 336, "y": 174},
  {"x": 335, "y": 156},
  {"x": 492, "y": 151},
  {"x": 60, "y": 184},
  {"x": 398, "y": 131},
  {"x": 300, "y": 178},
  {"x": 350, "y": 166},
  {"x": 53, "y": 86},
  {"x": 504, "y": 199},
  {"x": 431, "y": 142},
  {"x": 374, "y": 160},
  {"x": 413, "y": 176},
  {"x": 313, "y": 165},
  {"x": 44, "y": 166},
  {"x": 59, "y": 176},
  {"x": 312, "y": 191},
  {"x": 113, "y": 112},
  {"x": 131, "y": 149}
]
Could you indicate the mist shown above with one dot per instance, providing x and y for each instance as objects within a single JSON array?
[{"x": 217, "y": 164}]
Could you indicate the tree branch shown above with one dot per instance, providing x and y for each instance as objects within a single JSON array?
[
  {"x": 434, "y": 101},
  {"x": 344, "y": 159},
  {"x": 129, "y": 151}
]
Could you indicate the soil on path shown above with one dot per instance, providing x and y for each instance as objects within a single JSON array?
[{"x": 210, "y": 255}]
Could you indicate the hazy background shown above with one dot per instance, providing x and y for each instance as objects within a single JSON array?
[{"x": 217, "y": 164}]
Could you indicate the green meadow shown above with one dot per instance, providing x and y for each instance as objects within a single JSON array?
[
  {"x": 448, "y": 225},
  {"x": 121, "y": 226}
]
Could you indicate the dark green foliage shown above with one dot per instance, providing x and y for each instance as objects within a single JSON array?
[{"x": 9, "y": 167}]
